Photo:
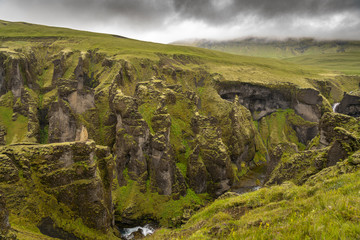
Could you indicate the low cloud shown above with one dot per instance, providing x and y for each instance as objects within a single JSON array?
[{"x": 171, "y": 20}]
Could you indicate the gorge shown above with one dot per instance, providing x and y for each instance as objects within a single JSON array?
[{"x": 100, "y": 133}]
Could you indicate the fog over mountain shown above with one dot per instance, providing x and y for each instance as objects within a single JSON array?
[{"x": 170, "y": 20}]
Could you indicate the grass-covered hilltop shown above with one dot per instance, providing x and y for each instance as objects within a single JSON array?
[
  {"x": 335, "y": 55},
  {"x": 99, "y": 133}
]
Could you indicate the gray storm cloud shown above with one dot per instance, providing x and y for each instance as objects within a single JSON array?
[{"x": 170, "y": 20}]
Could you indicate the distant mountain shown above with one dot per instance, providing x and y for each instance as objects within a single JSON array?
[
  {"x": 266, "y": 47},
  {"x": 339, "y": 55}
]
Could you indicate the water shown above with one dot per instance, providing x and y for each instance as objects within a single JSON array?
[
  {"x": 243, "y": 190},
  {"x": 335, "y": 106},
  {"x": 127, "y": 233}
]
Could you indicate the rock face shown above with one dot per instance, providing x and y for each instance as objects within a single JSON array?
[
  {"x": 62, "y": 123},
  {"x": 209, "y": 168},
  {"x": 2, "y": 135},
  {"x": 144, "y": 154},
  {"x": 132, "y": 139},
  {"x": 14, "y": 73},
  {"x": 77, "y": 176},
  {"x": 338, "y": 138},
  {"x": 263, "y": 100},
  {"x": 74, "y": 98},
  {"x": 245, "y": 141},
  {"x": 4, "y": 217},
  {"x": 166, "y": 177},
  {"x": 350, "y": 105}
]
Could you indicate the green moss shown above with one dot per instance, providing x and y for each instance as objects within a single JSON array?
[
  {"x": 7, "y": 100},
  {"x": 147, "y": 112},
  {"x": 44, "y": 134},
  {"x": 45, "y": 79},
  {"x": 31, "y": 199},
  {"x": 182, "y": 168},
  {"x": 48, "y": 98},
  {"x": 16, "y": 130},
  {"x": 259, "y": 158},
  {"x": 151, "y": 205},
  {"x": 282, "y": 121},
  {"x": 40, "y": 204},
  {"x": 297, "y": 167}
]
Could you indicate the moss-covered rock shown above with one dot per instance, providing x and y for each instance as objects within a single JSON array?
[
  {"x": 132, "y": 139},
  {"x": 66, "y": 173},
  {"x": 331, "y": 125},
  {"x": 165, "y": 177},
  {"x": 212, "y": 154},
  {"x": 4, "y": 216},
  {"x": 335, "y": 145},
  {"x": 2, "y": 135},
  {"x": 349, "y": 165}
]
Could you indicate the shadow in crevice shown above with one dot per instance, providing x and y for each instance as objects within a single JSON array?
[{"x": 48, "y": 227}]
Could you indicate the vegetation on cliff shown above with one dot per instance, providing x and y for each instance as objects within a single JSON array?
[{"x": 326, "y": 207}]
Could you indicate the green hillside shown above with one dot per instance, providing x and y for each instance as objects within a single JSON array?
[
  {"x": 21, "y": 37},
  {"x": 347, "y": 62},
  {"x": 341, "y": 56},
  {"x": 325, "y": 209}
]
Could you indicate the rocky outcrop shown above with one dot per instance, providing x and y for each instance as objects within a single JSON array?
[
  {"x": 6, "y": 233},
  {"x": 242, "y": 145},
  {"x": 332, "y": 125},
  {"x": 337, "y": 139},
  {"x": 209, "y": 165},
  {"x": 350, "y": 165},
  {"x": 350, "y": 105},
  {"x": 143, "y": 154},
  {"x": 263, "y": 100},
  {"x": 132, "y": 139},
  {"x": 4, "y": 217},
  {"x": 2, "y": 135},
  {"x": 65, "y": 172},
  {"x": 165, "y": 176},
  {"x": 48, "y": 227},
  {"x": 16, "y": 81},
  {"x": 2, "y": 74},
  {"x": 14, "y": 73},
  {"x": 62, "y": 122}
]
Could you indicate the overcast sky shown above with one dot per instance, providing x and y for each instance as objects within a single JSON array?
[{"x": 170, "y": 20}]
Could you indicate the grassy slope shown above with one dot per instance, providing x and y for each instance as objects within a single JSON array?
[
  {"x": 340, "y": 56},
  {"x": 326, "y": 208},
  {"x": 348, "y": 63},
  {"x": 233, "y": 67}
]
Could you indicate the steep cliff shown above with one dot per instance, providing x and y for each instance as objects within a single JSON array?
[{"x": 54, "y": 184}]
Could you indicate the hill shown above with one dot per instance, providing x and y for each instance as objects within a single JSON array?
[{"x": 336, "y": 55}]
